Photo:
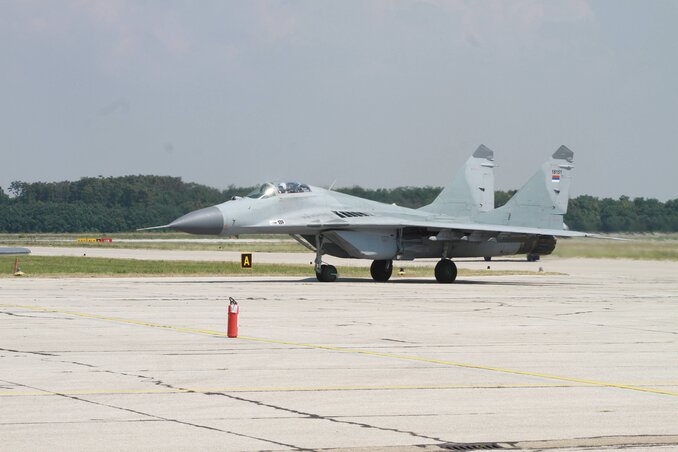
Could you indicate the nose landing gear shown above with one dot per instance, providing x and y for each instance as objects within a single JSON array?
[
  {"x": 327, "y": 273},
  {"x": 323, "y": 272}
]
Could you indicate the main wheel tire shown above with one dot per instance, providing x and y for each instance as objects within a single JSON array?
[
  {"x": 487, "y": 258},
  {"x": 446, "y": 271},
  {"x": 381, "y": 270},
  {"x": 328, "y": 273},
  {"x": 532, "y": 257}
]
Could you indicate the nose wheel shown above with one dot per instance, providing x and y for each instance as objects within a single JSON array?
[
  {"x": 327, "y": 273},
  {"x": 446, "y": 271}
]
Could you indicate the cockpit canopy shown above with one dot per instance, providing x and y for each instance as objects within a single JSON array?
[{"x": 273, "y": 189}]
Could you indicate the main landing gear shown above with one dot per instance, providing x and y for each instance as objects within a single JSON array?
[
  {"x": 381, "y": 270},
  {"x": 446, "y": 271}
]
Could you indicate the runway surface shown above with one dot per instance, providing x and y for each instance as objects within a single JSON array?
[{"x": 584, "y": 360}]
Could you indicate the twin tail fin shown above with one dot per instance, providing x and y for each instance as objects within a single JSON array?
[
  {"x": 542, "y": 201},
  {"x": 471, "y": 190}
]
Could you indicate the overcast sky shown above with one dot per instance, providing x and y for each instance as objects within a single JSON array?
[{"x": 376, "y": 93}]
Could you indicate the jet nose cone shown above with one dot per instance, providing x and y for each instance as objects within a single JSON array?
[{"x": 203, "y": 221}]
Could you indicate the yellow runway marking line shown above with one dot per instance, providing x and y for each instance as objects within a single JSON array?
[{"x": 353, "y": 351}]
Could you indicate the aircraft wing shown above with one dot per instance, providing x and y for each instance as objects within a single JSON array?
[
  {"x": 433, "y": 225},
  {"x": 14, "y": 251}
]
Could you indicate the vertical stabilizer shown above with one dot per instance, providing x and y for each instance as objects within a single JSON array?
[
  {"x": 542, "y": 201},
  {"x": 471, "y": 190}
]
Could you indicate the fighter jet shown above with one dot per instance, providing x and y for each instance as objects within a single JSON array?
[
  {"x": 11, "y": 251},
  {"x": 460, "y": 222}
]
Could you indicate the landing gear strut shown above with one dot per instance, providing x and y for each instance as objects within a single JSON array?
[
  {"x": 323, "y": 272},
  {"x": 446, "y": 271},
  {"x": 381, "y": 270}
]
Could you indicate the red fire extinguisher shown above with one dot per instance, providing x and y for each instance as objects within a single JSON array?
[{"x": 233, "y": 310}]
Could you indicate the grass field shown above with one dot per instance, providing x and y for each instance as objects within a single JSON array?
[
  {"x": 638, "y": 246},
  {"x": 660, "y": 247},
  {"x": 80, "y": 266}
]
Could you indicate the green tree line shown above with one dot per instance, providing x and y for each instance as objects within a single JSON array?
[{"x": 120, "y": 204}]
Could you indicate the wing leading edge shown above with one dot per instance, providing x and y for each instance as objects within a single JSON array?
[{"x": 393, "y": 222}]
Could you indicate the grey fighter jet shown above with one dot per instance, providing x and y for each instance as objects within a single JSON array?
[
  {"x": 460, "y": 222},
  {"x": 11, "y": 251}
]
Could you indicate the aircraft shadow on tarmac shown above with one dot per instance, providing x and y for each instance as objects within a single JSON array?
[{"x": 370, "y": 281}]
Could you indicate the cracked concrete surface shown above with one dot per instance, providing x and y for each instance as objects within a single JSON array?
[{"x": 581, "y": 361}]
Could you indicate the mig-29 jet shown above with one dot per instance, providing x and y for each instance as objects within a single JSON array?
[
  {"x": 12, "y": 251},
  {"x": 460, "y": 222}
]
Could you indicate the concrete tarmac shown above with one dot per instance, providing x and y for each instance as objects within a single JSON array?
[{"x": 586, "y": 360}]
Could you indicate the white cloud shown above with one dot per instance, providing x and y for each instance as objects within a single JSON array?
[
  {"x": 275, "y": 21},
  {"x": 497, "y": 23},
  {"x": 170, "y": 32}
]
